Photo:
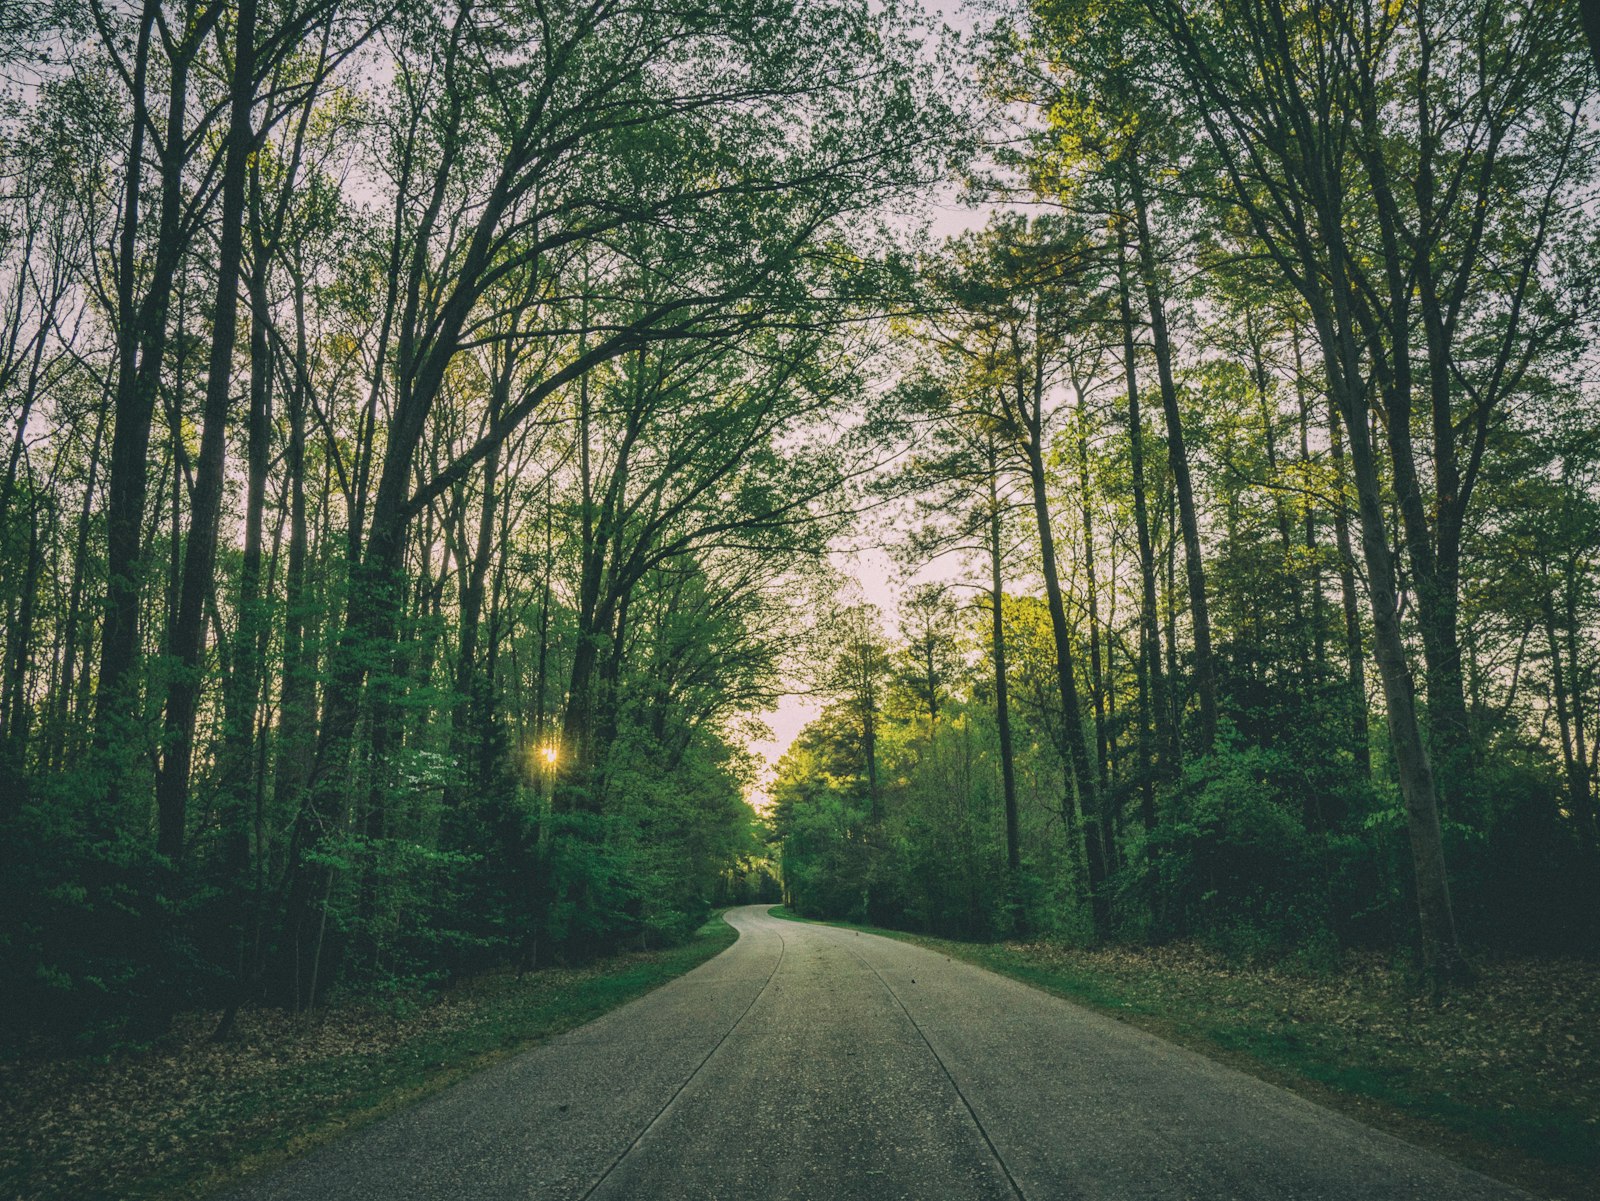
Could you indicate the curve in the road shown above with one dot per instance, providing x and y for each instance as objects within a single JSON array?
[{"x": 819, "y": 1064}]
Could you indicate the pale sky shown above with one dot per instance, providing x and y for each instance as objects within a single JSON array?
[{"x": 876, "y": 576}]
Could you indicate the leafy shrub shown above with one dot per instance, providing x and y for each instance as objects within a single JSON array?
[{"x": 1234, "y": 858}]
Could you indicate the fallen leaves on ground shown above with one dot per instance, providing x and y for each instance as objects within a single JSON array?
[{"x": 187, "y": 1109}]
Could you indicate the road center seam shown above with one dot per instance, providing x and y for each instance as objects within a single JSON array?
[
  {"x": 783, "y": 946},
  {"x": 945, "y": 1068}
]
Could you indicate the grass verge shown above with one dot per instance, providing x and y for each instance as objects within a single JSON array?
[
  {"x": 1503, "y": 1076},
  {"x": 188, "y": 1116}
]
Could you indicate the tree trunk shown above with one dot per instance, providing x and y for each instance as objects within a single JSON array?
[
  {"x": 1578, "y": 778},
  {"x": 1153, "y": 724},
  {"x": 1178, "y": 457},
  {"x": 242, "y": 686},
  {"x": 1079, "y": 759},
  {"x": 297, "y": 695},
  {"x": 1318, "y": 600},
  {"x": 15, "y": 720},
  {"x": 1002, "y": 705},
  {"x": 1441, "y": 951},
  {"x": 468, "y": 732},
  {"x": 1572, "y": 763},
  {"x": 141, "y": 347},
  {"x": 1355, "y": 653},
  {"x": 62, "y": 740},
  {"x": 200, "y": 555},
  {"x": 1097, "y": 692}
]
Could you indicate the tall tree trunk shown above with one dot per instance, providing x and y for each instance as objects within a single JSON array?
[
  {"x": 608, "y": 700},
  {"x": 577, "y": 721},
  {"x": 1269, "y": 438},
  {"x": 242, "y": 686},
  {"x": 1002, "y": 704},
  {"x": 1439, "y": 605},
  {"x": 869, "y": 743},
  {"x": 134, "y": 408},
  {"x": 1579, "y": 779},
  {"x": 16, "y": 717},
  {"x": 200, "y": 556},
  {"x": 62, "y": 739},
  {"x": 1097, "y": 691},
  {"x": 1572, "y": 763},
  {"x": 1178, "y": 457},
  {"x": 141, "y": 347},
  {"x": 472, "y": 684},
  {"x": 489, "y": 746},
  {"x": 1354, "y": 651},
  {"x": 1433, "y": 554},
  {"x": 1175, "y": 694},
  {"x": 1079, "y": 759},
  {"x": 1441, "y": 949},
  {"x": 541, "y": 670},
  {"x": 1153, "y": 724},
  {"x": 297, "y": 695},
  {"x": 1318, "y": 600}
]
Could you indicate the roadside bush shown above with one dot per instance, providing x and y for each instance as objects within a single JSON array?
[{"x": 1234, "y": 858}]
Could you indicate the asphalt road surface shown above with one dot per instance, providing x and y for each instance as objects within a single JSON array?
[{"x": 813, "y": 1063}]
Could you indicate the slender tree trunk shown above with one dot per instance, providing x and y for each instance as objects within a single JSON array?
[
  {"x": 134, "y": 408},
  {"x": 1079, "y": 759},
  {"x": 16, "y": 717},
  {"x": 1178, "y": 457},
  {"x": 200, "y": 556},
  {"x": 1450, "y": 729},
  {"x": 609, "y": 698},
  {"x": 577, "y": 721},
  {"x": 1269, "y": 435},
  {"x": 242, "y": 686},
  {"x": 1097, "y": 691},
  {"x": 141, "y": 347},
  {"x": 1176, "y": 700},
  {"x": 1318, "y": 600},
  {"x": 1578, "y": 780},
  {"x": 1355, "y": 653},
  {"x": 1432, "y": 551},
  {"x": 1572, "y": 763},
  {"x": 179, "y": 458},
  {"x": 489, "y": 745},
  {"x": 66, "y": 713},
  {"x": 869, "y": 731},
  {"x": 297, "y": 695},
  {"x": 541, "y": 670},
  {"x": 1153, "y": 724},
  {"x": 469, "y": 731},
  {"x": 1002, "y": 704}
]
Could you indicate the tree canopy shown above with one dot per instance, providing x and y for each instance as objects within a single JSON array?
[{"x": 428, "y": 428}]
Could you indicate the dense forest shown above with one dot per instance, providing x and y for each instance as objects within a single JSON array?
[
  {"x": 427, "y": 427},
  {"x": 1262, "y": 422}
]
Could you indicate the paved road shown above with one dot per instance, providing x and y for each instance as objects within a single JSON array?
[{"x": 813, "y": 1063}]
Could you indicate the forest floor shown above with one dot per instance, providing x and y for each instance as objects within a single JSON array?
[
  {"x": 1503, "y": 1075},
  {"x": 186, "y": 1116}
]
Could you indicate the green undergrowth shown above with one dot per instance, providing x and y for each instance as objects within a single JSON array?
[
  {"x": 188, "y": 1116},
  {"x": 1503, "y": 1075}
]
